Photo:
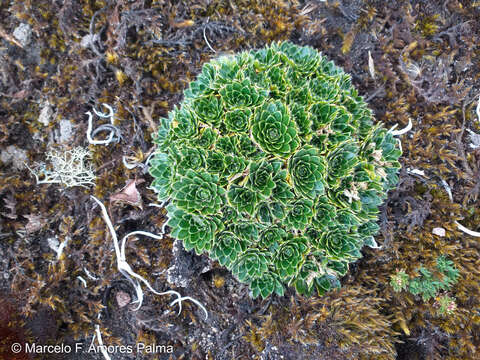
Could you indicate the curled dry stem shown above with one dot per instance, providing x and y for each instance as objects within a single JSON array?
[{"x": 125, "y": 269}]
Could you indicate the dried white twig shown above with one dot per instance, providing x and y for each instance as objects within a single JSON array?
[
  {"x": 148, "y": 158},
  {"x": 110, "y": 115},
  {"x": 155, "y": 205},
  {"x": 402, "y": 131},
  {"x": 100, "y": 342},
  {"x": 447, "y": 189},
  {"x": 93, "y": 339},
  {"x": 206, "y": 40},
  {"x": 89, "y": 274},
  {"x": 124, "y": 240},
  {"x": 468, "y": 231},
  {"x": 180, "y": 298},
  {"x": 478, "y": 109},
  {"x": 371, "y": 65},
  {"x": 62, "y": 246},
  {"x": 135, "y": 164},
  {"x": 105, "y": 115},
  {"x": 82, "y": 280},
  {"x": 162, "y": 231},
  {"x": 162, "y": 204},
  {"x": 128, "y": 165},
  {"x": 416, "y": 172},
  {"x": 125, "y": 269}
]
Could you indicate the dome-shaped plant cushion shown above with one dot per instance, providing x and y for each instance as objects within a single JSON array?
[{"x": 273, "y": 166}]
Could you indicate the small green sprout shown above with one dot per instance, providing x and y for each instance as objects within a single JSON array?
[
  {"x": 428, "y": 285},
  {"x": 446, "y": 305},
  {"x": 399, "y": 281}
]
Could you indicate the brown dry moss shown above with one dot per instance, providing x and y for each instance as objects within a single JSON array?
[
  {"x": 343, "y": 324},
  {"x": 426, "y": 65}
]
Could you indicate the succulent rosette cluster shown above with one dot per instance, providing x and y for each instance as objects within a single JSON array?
[{"x": 273, "y": 166}]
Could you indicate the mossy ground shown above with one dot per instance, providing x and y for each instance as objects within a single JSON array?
[{"x": 426, "y": 62}]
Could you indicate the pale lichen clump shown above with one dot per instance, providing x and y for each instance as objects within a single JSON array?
[{"x": 69, "y": 168}]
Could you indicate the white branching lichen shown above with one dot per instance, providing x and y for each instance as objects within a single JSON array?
[{"x": 69, "y": 168}]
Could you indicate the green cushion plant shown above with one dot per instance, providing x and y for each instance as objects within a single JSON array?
[{"x": 273, "y": 166}]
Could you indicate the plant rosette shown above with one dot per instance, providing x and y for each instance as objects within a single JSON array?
[{"x": 273, "y": 165}]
